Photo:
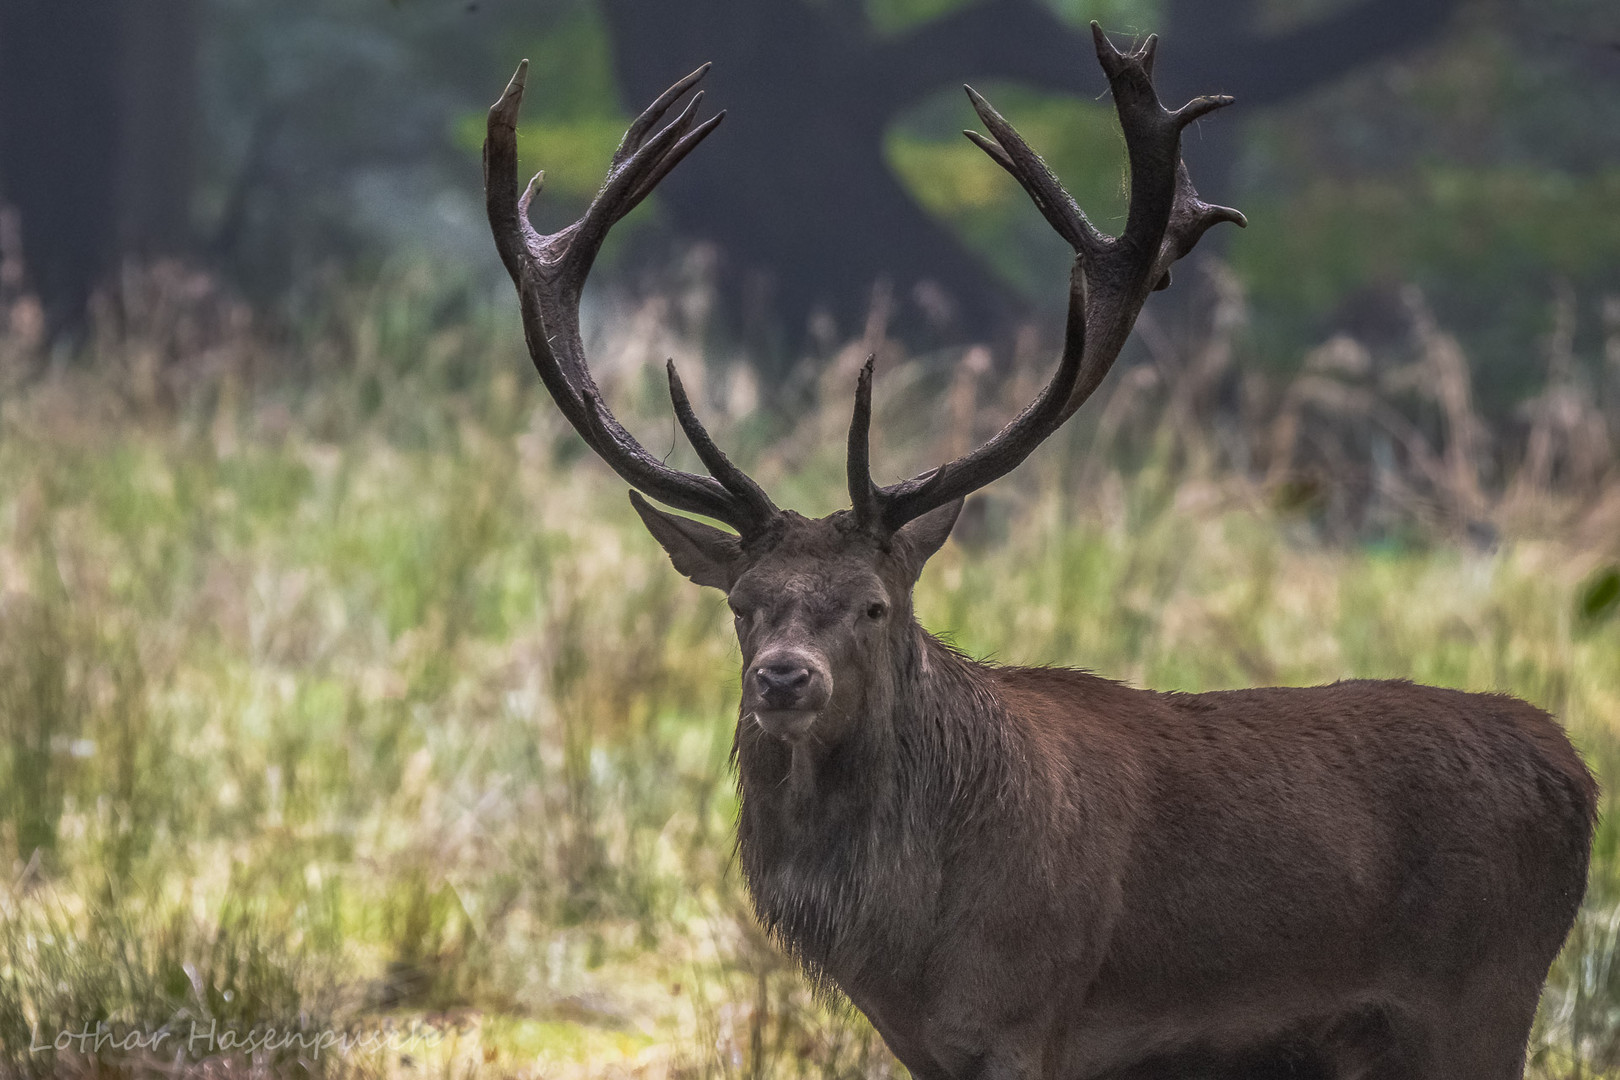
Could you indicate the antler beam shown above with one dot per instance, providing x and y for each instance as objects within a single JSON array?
[
  {"x": 1110, "y": 281},
  {"x": 550, "y": 271}
]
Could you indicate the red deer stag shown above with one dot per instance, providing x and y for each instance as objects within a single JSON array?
[{"x": 1036, "y": 872}]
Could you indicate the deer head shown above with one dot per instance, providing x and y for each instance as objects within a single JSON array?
[{"x": 823, "y": 604}]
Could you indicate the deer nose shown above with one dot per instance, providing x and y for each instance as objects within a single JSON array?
[{"x": 781, "y": 685}]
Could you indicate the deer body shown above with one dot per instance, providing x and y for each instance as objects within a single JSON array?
[
  {"x": 1038, "y": 873},
  {"x": 1218, "y": 879}
]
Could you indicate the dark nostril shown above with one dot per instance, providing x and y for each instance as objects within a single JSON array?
[{"x": 782, "y": 678}]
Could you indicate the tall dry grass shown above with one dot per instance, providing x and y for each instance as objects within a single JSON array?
[{"x": 341, "y": 691}]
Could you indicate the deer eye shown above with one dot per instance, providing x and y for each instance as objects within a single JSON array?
[{"x": 876, "y": 609}]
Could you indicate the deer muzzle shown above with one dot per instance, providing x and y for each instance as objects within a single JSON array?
[{"x": 785, "y": 690}]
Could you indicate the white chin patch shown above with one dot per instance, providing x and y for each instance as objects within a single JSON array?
[{"x": 789, "y": 724}]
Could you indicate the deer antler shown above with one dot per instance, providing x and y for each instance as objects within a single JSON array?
[
  {"x": 550, "y": 271},
  {"x": 1108, "y": 285}
]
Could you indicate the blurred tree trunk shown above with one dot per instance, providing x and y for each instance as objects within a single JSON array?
[
  {"x": 1217, "y": 46},
  {"x": 97, "y": 99},
  {"x": 158, "y": 98},
  {"x": 58, "y": 143},
  {"x": 795, "y": 189}
]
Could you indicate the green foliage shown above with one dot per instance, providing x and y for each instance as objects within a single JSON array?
[
  {"x": 571, "y": 119},
  {"x": 893, "y": 16},
  {"x": 1489, "y": 243},
  {"x": 1123, "y": 16},
  {"x": 1600, "y": 596},
  {"x": 959, "y": 183},
  {"x": 1473, "y": 230}
]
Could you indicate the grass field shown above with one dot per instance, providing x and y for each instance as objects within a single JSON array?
[{"x": 341, "y": 692}]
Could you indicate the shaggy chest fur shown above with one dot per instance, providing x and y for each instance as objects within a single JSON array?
[
  {"x": 846, "y": 848},
  {"x": 814, "y": 844}
]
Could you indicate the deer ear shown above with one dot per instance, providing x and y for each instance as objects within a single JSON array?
[
  {"x": 703, "y": 553},
  {"x": 927, "y": 534}
]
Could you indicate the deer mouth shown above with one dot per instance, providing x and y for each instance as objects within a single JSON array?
[{"x": 787, "y": 724}]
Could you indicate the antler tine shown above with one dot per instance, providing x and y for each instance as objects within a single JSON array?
[
  {"x": 1011, "y": 152},
  {"x": 863, "y": 495},
  {"x": 673, "y": 157},
  {"x": 514, "y": 236},
  {"x": 637, "y": 133},
  {"x": 892, "y": 506},
  {"x": 1190, "y": 218},
  {"x": 714, "y": 459},
  {"x": 1110, "y": 281},
  {"x": 630, "y": 181},
  {"x": 550, "y": 271}
]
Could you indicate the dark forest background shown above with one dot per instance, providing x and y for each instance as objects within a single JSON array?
[{"x": 1471, "y": 147}]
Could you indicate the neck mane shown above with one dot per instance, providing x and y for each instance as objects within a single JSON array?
[{"x": 843, "y": 846}]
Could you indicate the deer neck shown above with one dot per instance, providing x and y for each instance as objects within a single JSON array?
[{"x": 836, "y": 840}]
